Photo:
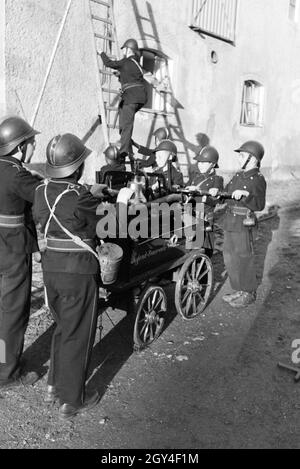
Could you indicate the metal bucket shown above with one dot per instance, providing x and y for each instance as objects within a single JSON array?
[{"x": 110, "y": 258}]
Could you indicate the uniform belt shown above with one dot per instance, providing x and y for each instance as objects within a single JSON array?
[
  {"x": 11, "y": 221},
  {"x": 66, "y": 245},
  {"x": 127, "y": 86},
  {"x": 236, "y": 210}
]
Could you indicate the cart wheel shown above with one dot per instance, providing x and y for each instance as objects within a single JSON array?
[
  {"x": 149, "y": 322},
  {"x": 194, "y": 286}
]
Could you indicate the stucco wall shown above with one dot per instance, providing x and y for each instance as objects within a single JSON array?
[
  {"x": 191, "y": 77},
  {"x": 209, "y": 94},
  {"x": 69, "y": 103},
  {"x": 266, "y": 49}
]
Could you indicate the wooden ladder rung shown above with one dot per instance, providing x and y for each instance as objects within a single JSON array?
[
  {"x": 102, "y": 36},
  {"x": 111, "y": 108},
  {"x": 150, "y": 35},
  {"x": 108, "y": 90},
  {"x": 103, "y": 20},
  {"x": 110, "y": 126},
  {"x": 144, "y": 18},
  {"x": 106, "y": 72}
]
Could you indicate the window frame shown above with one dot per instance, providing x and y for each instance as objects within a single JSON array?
[{"x": 251, "y": 100}]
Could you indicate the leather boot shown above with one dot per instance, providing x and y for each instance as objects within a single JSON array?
[
  {"x": 245, "y": 299},
  {"x": 67, "y": 411},
  {"x": 51, "y": 395},
  {"x": 231, "y": 296}
]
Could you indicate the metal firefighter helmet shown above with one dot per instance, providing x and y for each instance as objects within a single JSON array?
[
  {"x": 112, "y": 152},
  {"x": 253, "y": 148},
  {"x": 132, "y": 44},
  {"x": 162, "y": 133},
  {"x": 65, "y": 154},
  {"x": 167, "y": 145},
  {"x": 13, "y": 131},
  {"x": 208, "y": 154}
]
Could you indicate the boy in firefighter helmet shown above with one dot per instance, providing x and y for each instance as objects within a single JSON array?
[
  {"x": 248, "y": 192},
  {"x": 66, "y": 213},
  {"x": 113, "y": 162},
  {"x": 204, "y": 179},
  {"x": 134, "y": 93},
  {"x": 18, "y": 241},
  {"x": 166, "y": 154}
]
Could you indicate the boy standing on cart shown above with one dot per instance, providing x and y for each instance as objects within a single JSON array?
[
  {"x": 133, "y": 80},
  {"x": 18, "y": 240},
  {"x": 248, "y": 193},
  {"x": 134, "y": 93}
]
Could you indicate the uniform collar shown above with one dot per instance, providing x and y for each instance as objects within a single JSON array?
[
  {"x": 208, "y": 175},
  {"x": 12, "y": 159},
  {"x": 205, "y": 176},
  {"x": 251, "y": 172}
]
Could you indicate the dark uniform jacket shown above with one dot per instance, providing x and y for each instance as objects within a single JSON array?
[
  {"x": 253, "y": 182},
  {"x": 17, "y": 188},
  {"x": 205, "y": 182},
  {"x": 176, "y": 176},
  {"x": 129, "y": 73},
  {"x": 76, "y": 211},
  {"x": 110, "y": 167}
]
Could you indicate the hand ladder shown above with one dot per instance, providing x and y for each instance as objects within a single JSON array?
[{"x": 105, "y": 39}]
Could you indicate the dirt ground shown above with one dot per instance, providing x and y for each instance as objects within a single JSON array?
[{"x": 209, "y": 383}]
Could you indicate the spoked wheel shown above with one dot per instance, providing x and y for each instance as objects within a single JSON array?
[
  {"x": 150, "y": 316},
  {"x": 194, "y": 286}
]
